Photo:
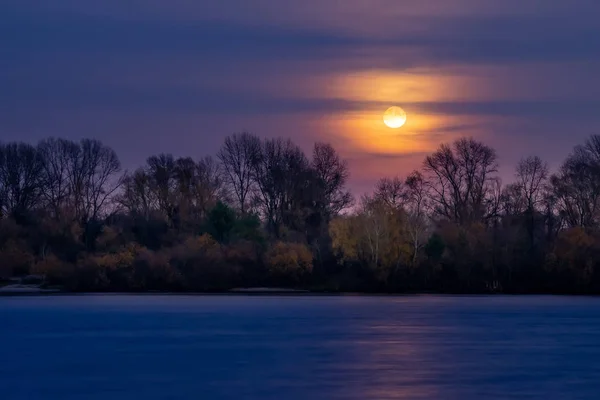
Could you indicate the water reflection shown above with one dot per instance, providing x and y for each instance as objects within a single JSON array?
[
  {"x": 393, "y": 364},
  {"x": 156, "y": 347}
]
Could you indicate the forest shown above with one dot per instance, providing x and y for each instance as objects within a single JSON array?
[{"x": 263, "y": 213}]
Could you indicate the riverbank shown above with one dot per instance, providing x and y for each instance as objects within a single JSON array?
[{"x": 27, "y": 289}]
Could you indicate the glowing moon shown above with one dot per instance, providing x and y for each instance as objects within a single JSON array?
[{"x": 394, "y": 117}]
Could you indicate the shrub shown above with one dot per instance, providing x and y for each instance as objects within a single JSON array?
[
  {"x": 201, "y": 260},
  {"x": 574, "y": 257},
  {"x": 289, "y": 261},
  {"x": 245, "y": 257},
  {"x": 242, "y": 252},
  {"x": 53, "y": 269},
  {"x": 106, "y": 271},
  {"x": 15, "y": 259},
  {"x": 152, "y": 271},
  {"x": 108, "y": 239}
]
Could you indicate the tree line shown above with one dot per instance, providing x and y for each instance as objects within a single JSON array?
[{"x": 262, "y": 212}]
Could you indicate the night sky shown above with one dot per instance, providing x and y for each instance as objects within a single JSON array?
[{"x": 150, "y": 76}]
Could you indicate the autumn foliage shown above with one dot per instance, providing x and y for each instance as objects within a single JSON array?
[
  {"x": 263, "y": 212},
  {"x": 291, "y": 261}
]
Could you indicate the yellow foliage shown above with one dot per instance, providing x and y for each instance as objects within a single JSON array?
[
  {"x": 572, "y": 242},
  {"x": 576, "y": 250},
  {"x": 289, "y": 259},
  {"x": 377, "y": 237},
  {"x": 153, "y": 269},
  {"x": 202, "y": 244},
  {"x": 52, "y": 268},
  {"x": 345, "y": 237},
  {"x": 204, "y": 264},
  {"x": 121, "y": 259},
  {"x": 197, "y": 252}
]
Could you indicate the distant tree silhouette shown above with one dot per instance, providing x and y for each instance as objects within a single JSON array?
[
  {"x": 264, "y": 213},
  {"x": 20, "y": 178},
  {"x": 238, "y": 156},
  {"x": 333, "y": 173},
  {"x": 460, "y": 179}
]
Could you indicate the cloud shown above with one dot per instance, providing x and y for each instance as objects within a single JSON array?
[
  {"x": 374, "y": 156},
  {"x": 165, "y": 69},
  {"x": 206, "y": 99},
  {"x": 428, "y": 39},
  {"x": 62, "y": 53},
  {"x": 567, "y": 108}
]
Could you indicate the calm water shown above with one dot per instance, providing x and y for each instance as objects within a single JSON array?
[{"x": 228, "y": 347}]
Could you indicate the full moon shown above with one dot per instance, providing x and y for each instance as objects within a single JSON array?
[{"x": 394, "y": 117}]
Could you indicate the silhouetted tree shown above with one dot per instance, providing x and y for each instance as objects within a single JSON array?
[
  {"x": 20, "y": 178},
  {"x": 55, "y": 154},
  {"x": 532, "y": 175},
  {"x": 391, "y": 191},
  {"x": 577, "y": 185},
  {"x": 67, "y": 213},
  {"x": 461, "y": 179},
  {"x": 93, "y": 178},
  {"x": 161, "y": 171},
  {"x": 237, "y": 157},
  {"x": 270, "y": 167},
  {"x": 209, "y": 185},
  {"x": 416, "y": 209},
  {"x": 137, "y": 196},
  {"x": 333, "y": 174}
]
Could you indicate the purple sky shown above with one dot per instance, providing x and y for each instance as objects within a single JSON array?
[{"x": 150, "y": 76}]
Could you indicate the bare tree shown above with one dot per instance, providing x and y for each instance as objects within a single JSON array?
[
  {"x": 460, "y": 179},
  {"x": 237, "y": 158},
  {"x": 93, "y": 178},
  {"x": 209, "y": 187},
  {"x": 416, "y": 208},
  {"x": 391, "y": 191},
  {"x": 512, "y": 201},
  {"x": 303, "y": 197},
  {"x": 186, "y": 183},
  {"x": 269, "y": 175},
  {"x": 161, "y": 170},
  {"x": 55, "y": 160},
  {"x": 375, "y": 221},
  {"x": 197, "y": 187},
  {"x": 283, "y": 179},
  {"x": 20, "y": 178},
  {"x": 333, "y": 173},
  {"x": 181, "y": 189},
  {"x": 532, "y": 174},
  {"x": 576, "y": 188},
  {"x": 137, "y": 196}
]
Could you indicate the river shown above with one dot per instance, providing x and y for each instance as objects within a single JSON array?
[{"x": 146, "y": 347}]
